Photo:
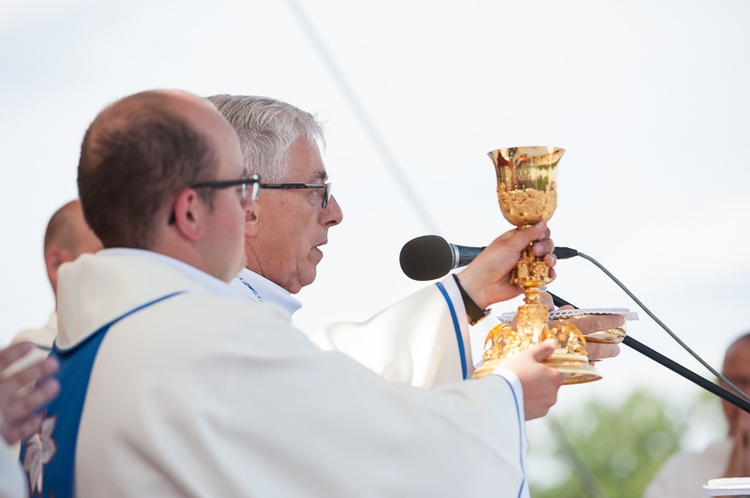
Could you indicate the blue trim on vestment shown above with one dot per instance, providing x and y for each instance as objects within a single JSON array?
[
  {"x": 520, "y": 435},
  {"x": 76, "y": 364},
  {"x": 457, "y": 328}
]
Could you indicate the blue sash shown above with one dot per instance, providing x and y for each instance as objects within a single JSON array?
[{"x": 48, "y": 457}]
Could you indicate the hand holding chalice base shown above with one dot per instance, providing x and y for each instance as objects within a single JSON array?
[{"x": 527, "y": 192}]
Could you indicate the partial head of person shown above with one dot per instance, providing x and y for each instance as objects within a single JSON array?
[
  {"x": 736, "y": 369},
  {"x": 163, "y": 171},
  {"x": 67, "y": 237},
  {"x": 289, "y": 223}
]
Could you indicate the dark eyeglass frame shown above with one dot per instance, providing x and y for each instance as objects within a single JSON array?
[
  {"x": 297, "y": 186},
  {"x": 254, "y": 181},
  {"x": 242, "y": 182}
]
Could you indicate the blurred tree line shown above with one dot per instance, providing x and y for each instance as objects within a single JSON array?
[{"x": 606, "y": 450}]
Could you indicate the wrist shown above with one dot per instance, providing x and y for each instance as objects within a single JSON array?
[{"x": 474, "y": 312}]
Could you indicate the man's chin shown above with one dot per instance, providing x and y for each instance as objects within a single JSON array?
[{"x": 308, "y": 278}]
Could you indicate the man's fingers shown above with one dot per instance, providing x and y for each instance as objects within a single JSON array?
[
  {"x": 38, "y": 370},
  {"x": 596, "y": 323},
  {"x": 542, "y": 350},
  {"x": 601, "y": 351},
  {"x": 521, "y": 238},
  {"x": 547, "y": 301},
  {"x": 18, "y": 410},
  {"x": 542, "y": 248},
  {"x": 15, "y": 432},
  {"x": 14, "y": 352},
  {"x": 41, "y": 395}
]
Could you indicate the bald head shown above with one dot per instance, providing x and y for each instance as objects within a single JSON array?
[
  {"x": 736, "y": 352},
  {"x": 67, "y": 237},
  {"x": 136, "y": 155},
  {"x": 142, "y": 160},
  {"x": 736, "y": 369}
]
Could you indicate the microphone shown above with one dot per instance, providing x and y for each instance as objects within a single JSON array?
[{"x": 430, "y": 256}]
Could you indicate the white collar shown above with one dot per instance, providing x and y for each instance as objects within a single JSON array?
[
  {"x": 211, "y": 283},
  {"x": 259, "y": 289}
]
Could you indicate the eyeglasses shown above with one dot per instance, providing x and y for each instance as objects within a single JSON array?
[
  {"x": 326, "y": 186},
  {"x": 253, "y": 182}
]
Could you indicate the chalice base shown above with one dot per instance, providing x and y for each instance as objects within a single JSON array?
[{"x": 575, "y": 367}]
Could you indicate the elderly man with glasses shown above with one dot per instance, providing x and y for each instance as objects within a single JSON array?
[{"x": 424, "y": 339}]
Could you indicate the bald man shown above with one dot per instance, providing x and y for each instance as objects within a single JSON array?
[
  {"x": 684, "y": 474},
  {"x": 67, "y": 237}
]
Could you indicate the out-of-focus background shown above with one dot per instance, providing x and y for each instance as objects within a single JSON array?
[{"x": 648, "y": 97}]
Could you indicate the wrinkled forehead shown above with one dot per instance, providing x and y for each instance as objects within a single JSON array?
[
  {"x": 737, "y": 362},
  {"x": 305, "y": 163}
]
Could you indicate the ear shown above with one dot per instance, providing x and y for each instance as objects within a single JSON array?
[
  {"x": 252, "y": 219},
  {"x": 53, "y": 258},
  {"x": 189, "y": 212}
]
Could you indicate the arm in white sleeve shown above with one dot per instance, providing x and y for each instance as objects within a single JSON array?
[{"x": 422, "y": 340}]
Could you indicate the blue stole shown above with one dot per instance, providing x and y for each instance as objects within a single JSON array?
[{"x": 48, "y": 456}]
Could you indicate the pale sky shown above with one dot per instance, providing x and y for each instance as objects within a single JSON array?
[{"x": 649, "y": 98}]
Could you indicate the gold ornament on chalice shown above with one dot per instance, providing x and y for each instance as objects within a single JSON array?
[{"x": 527, "y": 192}]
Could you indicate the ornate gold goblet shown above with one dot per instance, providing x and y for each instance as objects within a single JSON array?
[{"x": 527, "y": 192}]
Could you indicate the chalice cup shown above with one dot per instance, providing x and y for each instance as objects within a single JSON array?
[{"x": 527, "y": 192}]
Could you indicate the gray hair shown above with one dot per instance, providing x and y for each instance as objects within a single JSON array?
[{"x": 267, "y": 128}]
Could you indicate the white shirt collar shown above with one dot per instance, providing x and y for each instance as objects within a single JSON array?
[
  {"x": 259, "y": 289},
  {"x": 213, "y": 284}
]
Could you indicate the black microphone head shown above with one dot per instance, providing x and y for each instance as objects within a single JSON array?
[{"x": 426, "y": 258}]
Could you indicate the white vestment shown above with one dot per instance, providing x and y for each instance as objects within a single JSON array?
[
  {"x": 422, "y": 340},
  {"x": 205, "y": 394},
  {"x": 12, "y": 484},
  {"x": 684, "y": 474}
]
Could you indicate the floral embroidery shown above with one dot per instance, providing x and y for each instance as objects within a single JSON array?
[{"x": 40, "y": 448}]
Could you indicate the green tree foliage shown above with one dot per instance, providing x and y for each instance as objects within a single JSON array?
[{"x": 612, "y": 450}]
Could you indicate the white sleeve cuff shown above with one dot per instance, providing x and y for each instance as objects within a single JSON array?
[{"x": 515, "y": 385}]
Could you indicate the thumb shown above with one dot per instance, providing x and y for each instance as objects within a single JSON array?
[{"x": 542, "y": 350}]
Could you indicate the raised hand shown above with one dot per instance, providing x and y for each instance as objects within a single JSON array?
[
  {"x": 487, "y": 278},
  {"x": 540, "y": 382},
  {"x": 22, "y": 392}
]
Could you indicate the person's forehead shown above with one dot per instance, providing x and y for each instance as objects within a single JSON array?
[
  {"x": 306, "y": 163},
  {"x": 738, "y": 359}
]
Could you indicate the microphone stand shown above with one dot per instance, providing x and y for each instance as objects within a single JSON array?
[{"x": 673, "y": 365}]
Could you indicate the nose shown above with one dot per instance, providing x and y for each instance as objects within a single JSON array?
[{"x": 332, "y": 214}]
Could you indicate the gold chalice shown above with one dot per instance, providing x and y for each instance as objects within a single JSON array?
[{"x": 527, "y": 192}]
